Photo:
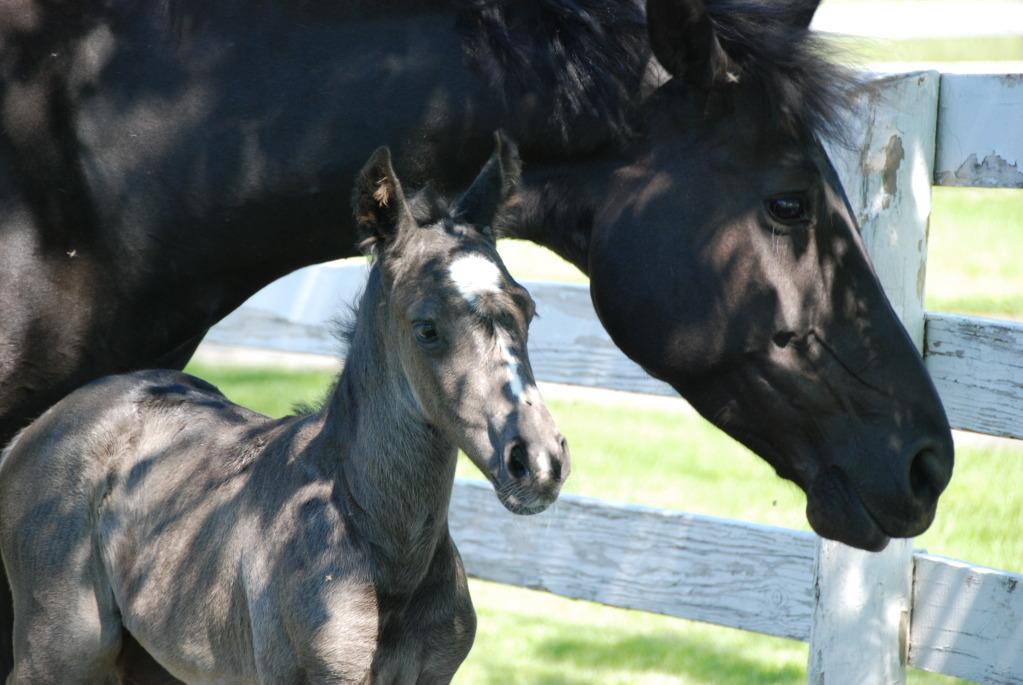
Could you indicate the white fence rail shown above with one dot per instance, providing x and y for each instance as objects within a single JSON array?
[
  {"x": 980, "y": 137},
  {"x": 975, "y": 363},
  {"x": 865, "y": 615},
  {"x": 977, "y": 366},
  {"x": 731, "y": 573},
  {"x": 967, "y": 620}
]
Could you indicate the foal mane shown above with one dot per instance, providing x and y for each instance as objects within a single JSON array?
[{"x": 586, "y": 60}]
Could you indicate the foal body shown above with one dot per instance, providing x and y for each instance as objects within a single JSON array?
[
  {"x": 235, "y": 564},
  {"x": 239, "y": 549}
]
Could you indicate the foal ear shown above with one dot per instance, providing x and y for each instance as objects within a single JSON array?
[
  {"x": 380, "y": 206},
  {"x": 684, "y": 42},
  {"x": 496, "y": 182}
]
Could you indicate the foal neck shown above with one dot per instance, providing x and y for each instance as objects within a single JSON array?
[{"x": 394, "y": 471}]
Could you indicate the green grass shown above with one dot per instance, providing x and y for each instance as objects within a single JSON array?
[
  {"x": 271, "y": 391},
  {"x": 986, "y": 49},
  {"x": 678, "y": 462},
  {"x": 530, "y": 638},
  {"x": 980, "y": 513},
  {"x": 975, "y": 258}
]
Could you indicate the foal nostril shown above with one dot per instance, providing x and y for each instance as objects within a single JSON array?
[
  {"x": 518, "y": 461},
  {"x": 555, "y": 469},
  {"x": 928, "y": 476},
  {"x": 564, "y": 460}
]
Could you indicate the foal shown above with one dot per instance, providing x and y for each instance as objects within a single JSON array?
[{"x": 315, "y": 549}]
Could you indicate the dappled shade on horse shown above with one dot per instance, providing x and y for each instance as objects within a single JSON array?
[
  {"x": 237, "y": 548},
  {"x": 172, "y": 159}
]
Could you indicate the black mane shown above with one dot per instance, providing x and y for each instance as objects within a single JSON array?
[
  {"x": 571, "y": 72},
  {"x": 581, "y": 63},
  {"x": 566, "y": 68},
  {"x": 806, "y": 89}
]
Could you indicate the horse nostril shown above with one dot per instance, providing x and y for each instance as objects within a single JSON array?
[
  {"x": 518, "y": 461},
  {"x": 783, "y": 338},
  {"x": 927, "y": 476},
  {"x": 555, "y": 468}
]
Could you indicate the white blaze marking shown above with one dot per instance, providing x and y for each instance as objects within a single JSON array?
[
  {"x": 544, "y": 461},
  {"x": 474, "y": 275},
  {"x": 512, "y": 364}
]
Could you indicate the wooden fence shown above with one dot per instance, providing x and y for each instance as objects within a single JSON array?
[{"x": 866, "y": 616}]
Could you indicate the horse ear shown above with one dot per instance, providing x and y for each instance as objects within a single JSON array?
[
  {"x": 683, "y": 40},
  {"x": 380, "y": 206},
  {"x": 496, "y": 182}
]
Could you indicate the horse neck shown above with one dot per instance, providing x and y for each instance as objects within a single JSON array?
[
  {"x": 394, "y": 470},
  {"x": 555, "y": 207}
]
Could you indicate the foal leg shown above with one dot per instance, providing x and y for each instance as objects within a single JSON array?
[
  {"x": 67, "y": 632},
  {"x": 66, "y": 625}
]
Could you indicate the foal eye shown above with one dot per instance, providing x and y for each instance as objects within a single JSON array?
[
  {"x": 787, "y": 209},
  {"x": 425, "y": 332}
]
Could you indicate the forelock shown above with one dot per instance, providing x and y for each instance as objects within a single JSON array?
[{"x": 807, "y": 91}]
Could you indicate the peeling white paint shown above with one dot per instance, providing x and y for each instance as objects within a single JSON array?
[
  {"x": 978, "y": 142},
  {"x": 992, "y": 172}
]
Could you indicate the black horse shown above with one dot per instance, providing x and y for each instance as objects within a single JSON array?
[{"x": 162, "y": 161}]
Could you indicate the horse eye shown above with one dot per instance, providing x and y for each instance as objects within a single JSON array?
[
  {"x": 787, "y": 209},
  {"x": 426, "y": 333}
]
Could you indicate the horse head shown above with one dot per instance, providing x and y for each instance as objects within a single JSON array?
[{"x": 726, "y": 260}]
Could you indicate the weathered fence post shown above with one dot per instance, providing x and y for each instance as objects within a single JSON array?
[{"x": 861, "y": 619}]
